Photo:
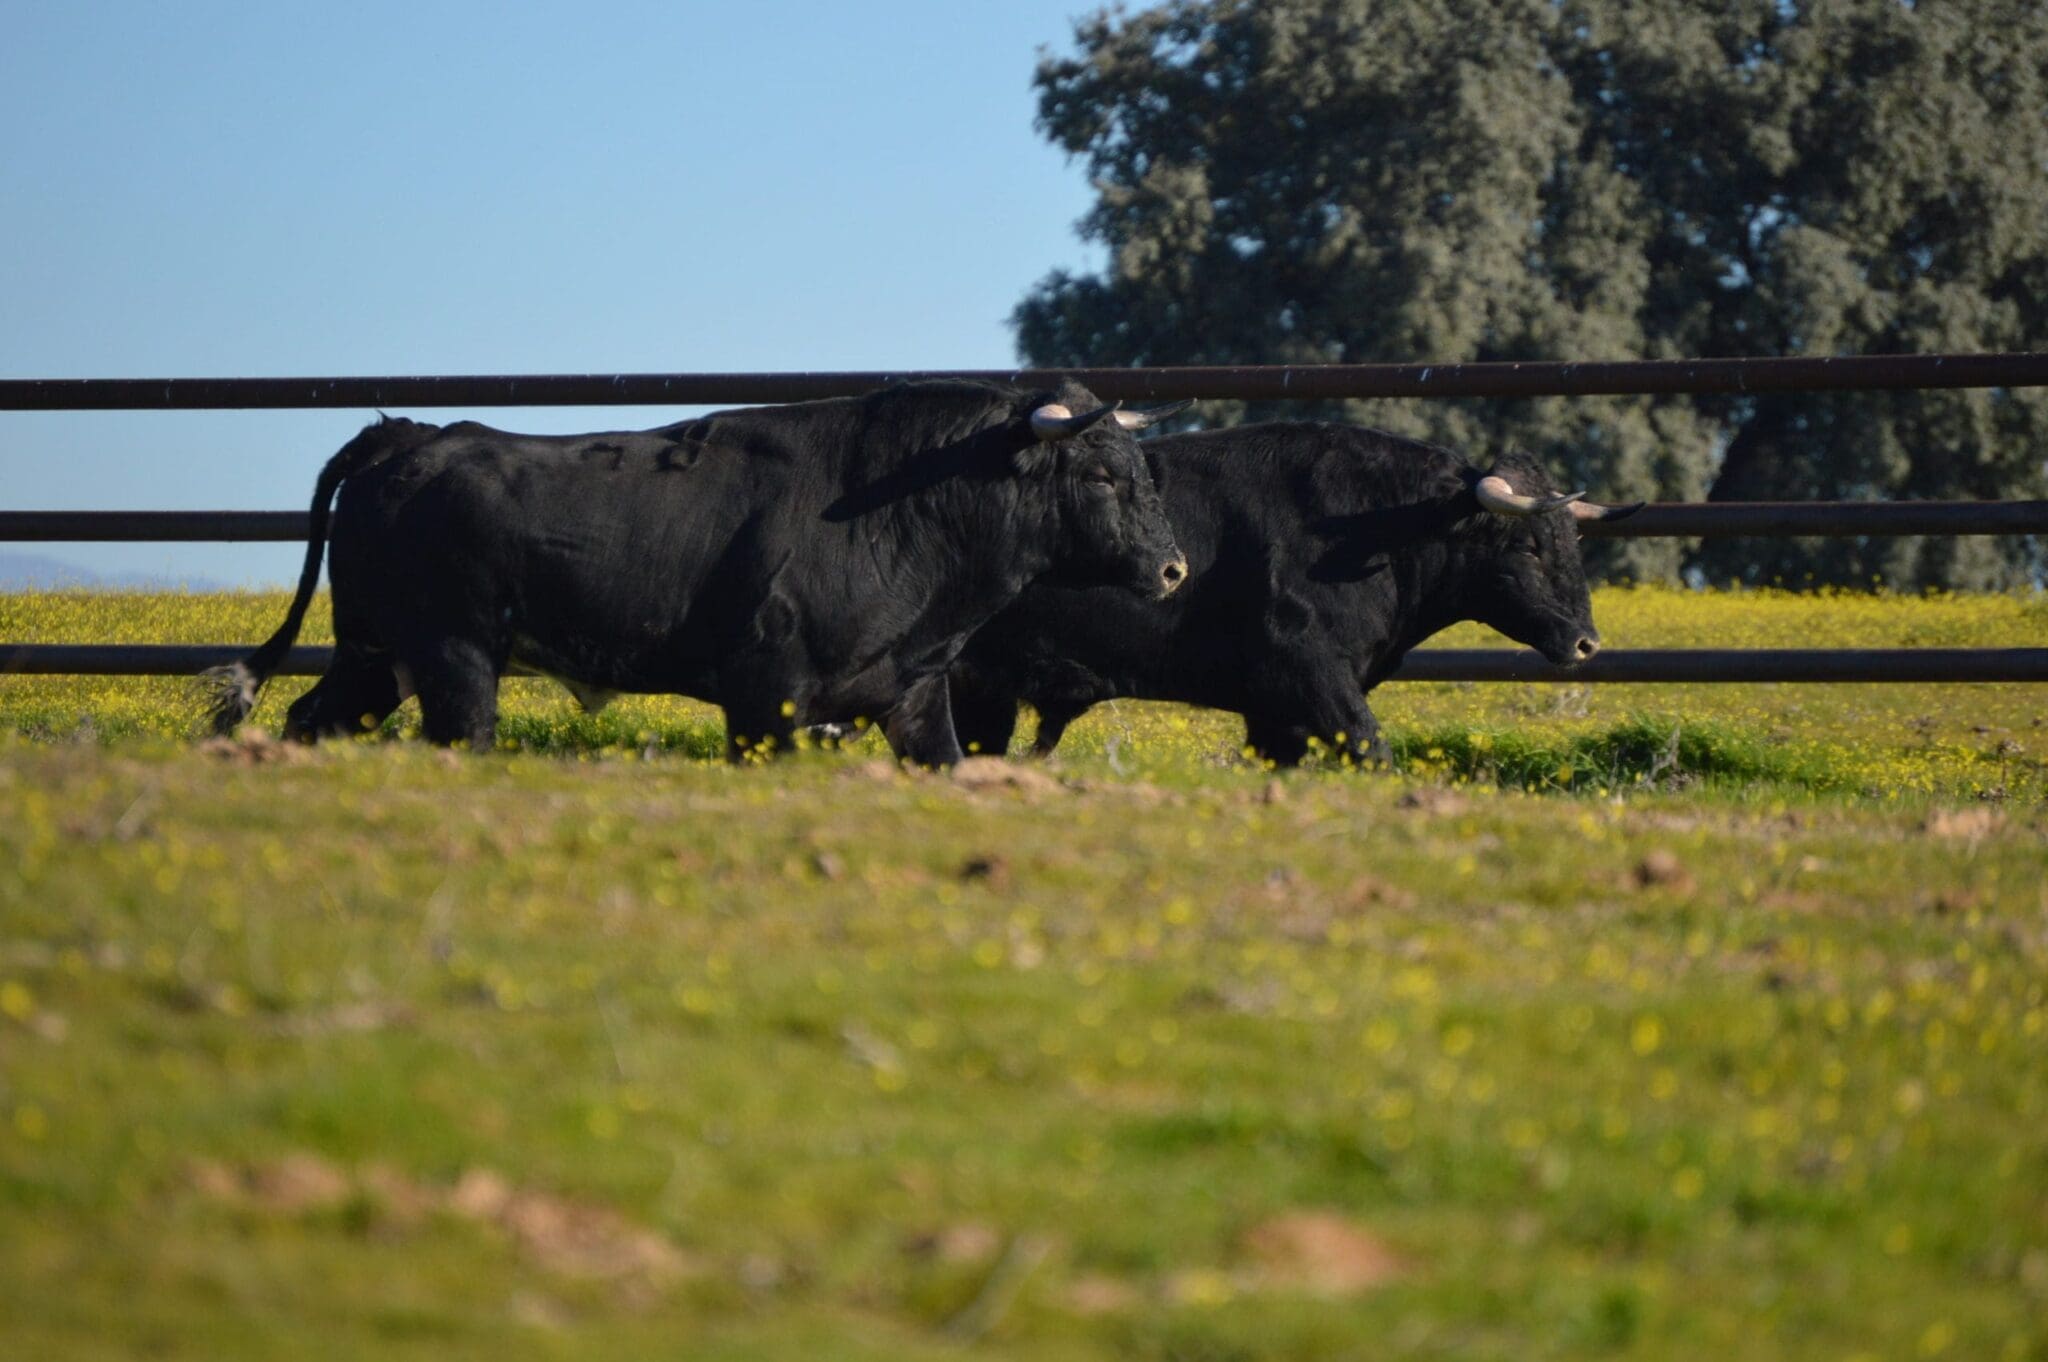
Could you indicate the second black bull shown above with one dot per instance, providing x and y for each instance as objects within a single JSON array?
[{"x": 1320, "y": 554}]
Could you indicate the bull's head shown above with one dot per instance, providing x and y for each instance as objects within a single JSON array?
[
  {"x": 1531, "y": 584},
  {"x": 1112, "y": 525}
]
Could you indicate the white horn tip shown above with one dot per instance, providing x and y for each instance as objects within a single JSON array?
[{"x": 1049, "y": 422}]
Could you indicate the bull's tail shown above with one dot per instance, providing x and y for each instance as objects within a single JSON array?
[{"x": 234, "y": 687}]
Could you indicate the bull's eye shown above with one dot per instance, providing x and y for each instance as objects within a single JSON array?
[
  {"x": 1532, "y": 551},
  {"x": 1098, "y": 477}
]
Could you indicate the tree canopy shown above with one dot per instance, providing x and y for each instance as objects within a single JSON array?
[{"x": 1328, "y": 181}]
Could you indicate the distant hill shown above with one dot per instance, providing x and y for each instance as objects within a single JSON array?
[{"x": 39, "y": 572}]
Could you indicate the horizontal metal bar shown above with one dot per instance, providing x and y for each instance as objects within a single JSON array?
[
  {"x": 153, "y": 659},
  {"x": 1707, "y": 519},
  {"x": 1427, "y": 664},
  {"x": 144, "y": 659},
  {"x": 1822, "y": 519},
  {"x": 1733, "y": 664},
  {"x": 154, "y": 527},
  {"x": 1245, "y": 382}
]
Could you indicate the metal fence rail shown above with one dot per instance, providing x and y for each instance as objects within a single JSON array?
[
  {"x": 1241, "y": 382},
  {"x": 1643, "y": 665},
  {"x": 1628, "y": 666},
  {"x": 1244, "y": 382},
  {"x": 1703, "y": 519}
]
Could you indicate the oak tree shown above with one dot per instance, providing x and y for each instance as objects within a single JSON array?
[{"x": 1322, "y": 181}]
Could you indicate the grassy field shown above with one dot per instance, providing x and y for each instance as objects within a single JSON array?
[{"x": 1622, "y": 1021}]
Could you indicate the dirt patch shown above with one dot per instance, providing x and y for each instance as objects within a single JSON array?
[
  {"x": 995, "y": 773},
  {"x": 1302, "y": 912},
  {"x": 398, "y": 1200},
  {"x": 253, "y": 746},
  {"x": 561, "y": 1235},
  {"x": 297, "y": 1184},
  {"x": 536, "y": 1311},
  {"x": 1096, "y": 1294},
  {"x": 1661, "y": 869},
  {"x": 1311, "y": 1252},
  {"x": 1434, "y": 801},
  {"x": 346, "y": 1019},
  {"x": 1794, "y": 901},
  {"x": 567, "y": 1237},
  {"x": 969, "y": 1242},
  {"x": 878, "y": 770},
  {"x": 1319, "y": 1252},
  {"x": 1963, "y": 825},
  {"x": 1367, "y": 892},
  {"x": 1135, "y": 791}
]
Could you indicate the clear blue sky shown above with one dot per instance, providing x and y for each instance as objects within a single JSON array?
[{"x": 209, "y": 189}]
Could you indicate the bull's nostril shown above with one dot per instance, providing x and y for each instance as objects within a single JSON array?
[
  {"x": 1587, "y": 647},
  {"x": 1173, "y": 574}
]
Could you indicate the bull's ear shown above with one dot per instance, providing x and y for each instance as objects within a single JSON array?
[{"x": 1034, "y": 459}]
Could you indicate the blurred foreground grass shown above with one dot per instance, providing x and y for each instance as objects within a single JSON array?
[{"x": 601, "y": 1051}]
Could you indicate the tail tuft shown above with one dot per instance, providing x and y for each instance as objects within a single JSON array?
[{"x": 231, "y": 694}]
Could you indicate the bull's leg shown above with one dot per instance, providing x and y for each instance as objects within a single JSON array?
[
  {"x": 756, "y": 736},
  {"x": 984, "y": 720},
  {"x": 458, "y": 687},
  {"x": 756, "y": 692},
  {"x": 1344, "y": 725},
  {"x": 754, "y": 730},
  {"x": 920, "y": 725},
  {"x": 1364, "y": 741},
  {"x": 1280, "y": 741},
  {"x": 1053, "y": 718},
  {"x": 358, "y": 692},
  {"x": 1339, "y": 724}
]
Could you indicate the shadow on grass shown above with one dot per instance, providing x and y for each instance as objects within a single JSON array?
[{"x": 1640, "y": 752}]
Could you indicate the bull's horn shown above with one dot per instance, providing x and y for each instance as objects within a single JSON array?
[
  {"x": 1497, "y": 496},
  {"x": 1054, "y": 422},
  {"x": 1138, "y": 420},
  {"x": 1593, "y": 510}
]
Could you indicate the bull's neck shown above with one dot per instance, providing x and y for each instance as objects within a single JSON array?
[
  {"x": 1432, "y": 593},
  {"x": 962, "y": 550}
]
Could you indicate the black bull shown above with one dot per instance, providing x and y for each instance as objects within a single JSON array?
[
  {"x": 815, "y": 563},
  {"x": 1320, "y": 555}
]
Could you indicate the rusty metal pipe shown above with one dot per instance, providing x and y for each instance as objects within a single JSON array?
[
  {"x": 1677, "y": 519},
  {"x": 1633, "y": 666},
  {"x": 1244, "y": 382}
]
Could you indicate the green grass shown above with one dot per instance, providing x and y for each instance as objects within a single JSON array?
[
  {"x": 1861, "y": 741},
  {"x": 1639, "y": 752},
  {"x": 1699, "y": 1024}
]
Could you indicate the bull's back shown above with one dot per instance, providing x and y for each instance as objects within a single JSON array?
[{"x": 599, "y": 551}]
